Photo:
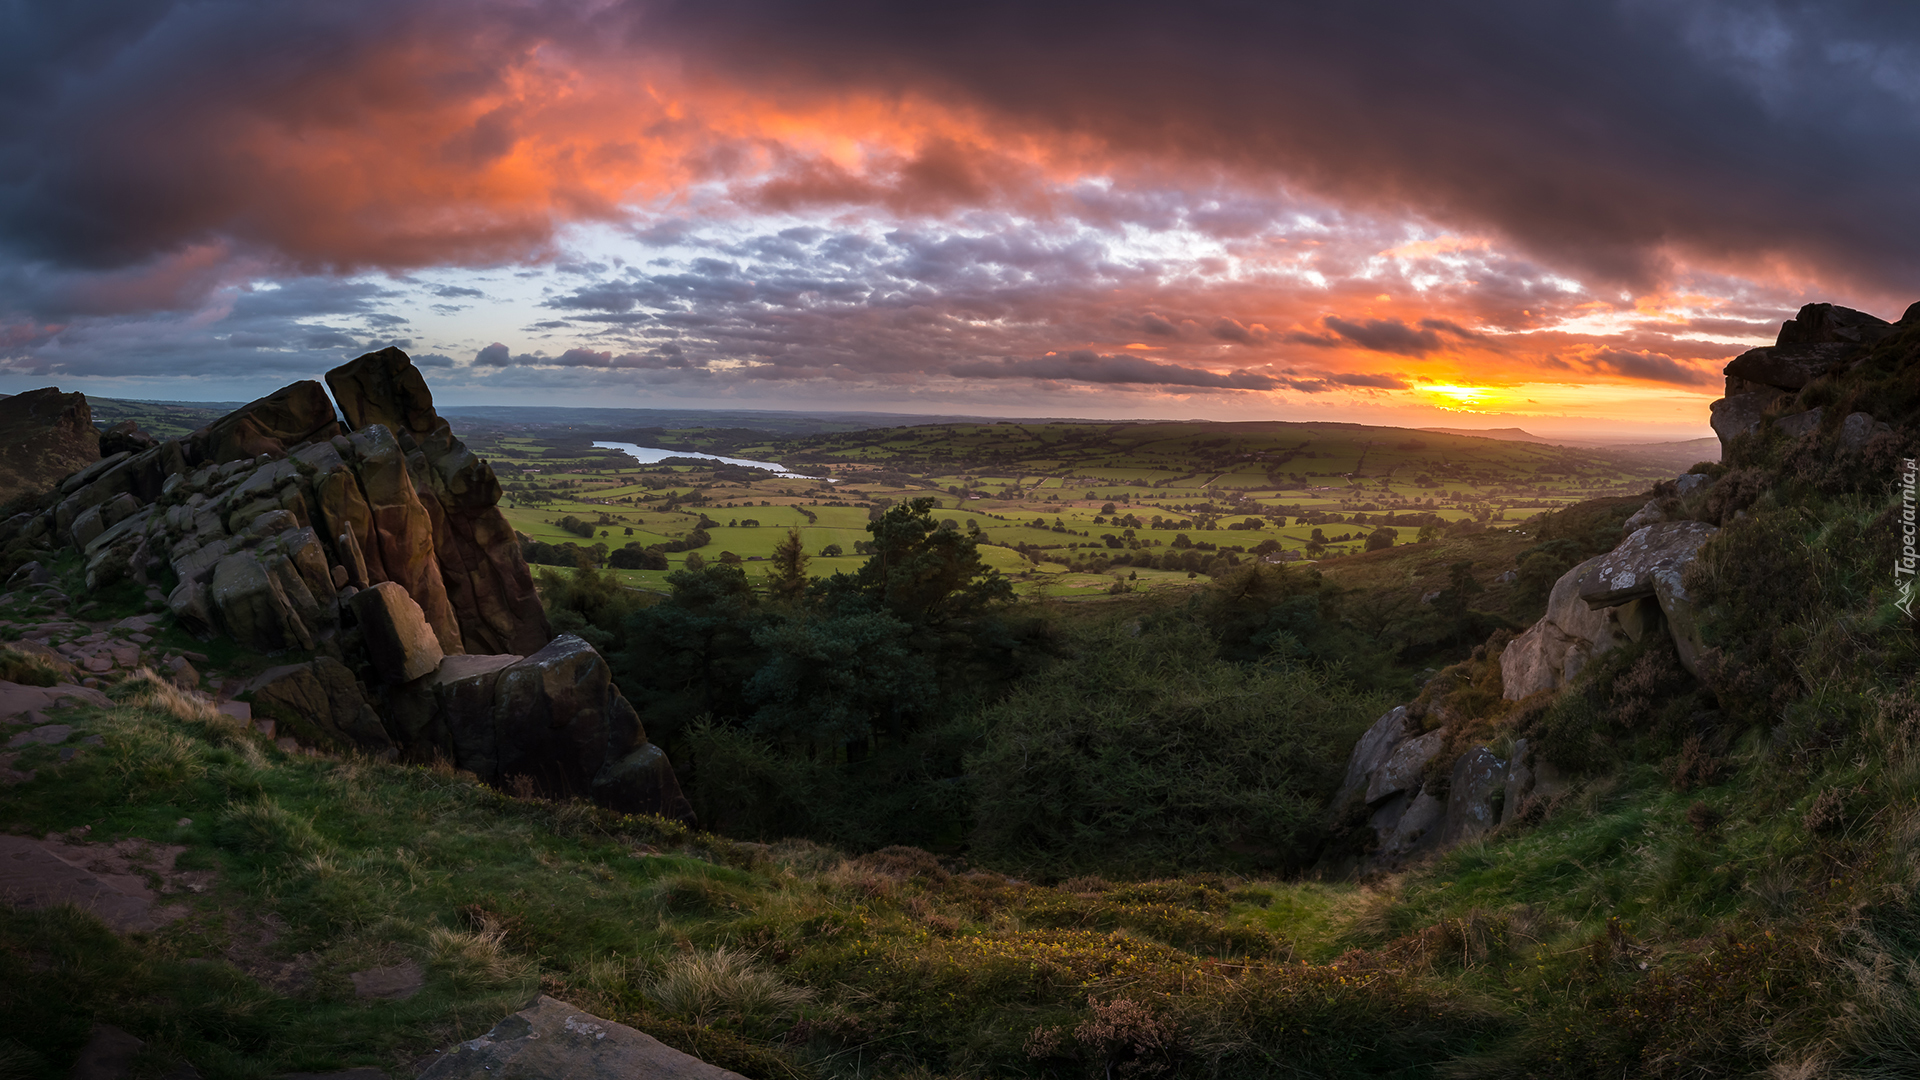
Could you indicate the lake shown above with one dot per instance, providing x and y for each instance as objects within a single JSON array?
[{"x": 648, "y": 455}]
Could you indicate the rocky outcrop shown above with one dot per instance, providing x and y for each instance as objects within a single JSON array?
[
  {"x": 45, "y": 435},
  {"x": 1389, "y": 781},
  {"x": 1554, "y": 650},
  {"x": 1821, "y": 340},
  {"x": 1649, "y": 565},
  {"x": 378, "y": 550},
  {"x": 487, "y": 582},
  {"x": 556, "y": 1041}
]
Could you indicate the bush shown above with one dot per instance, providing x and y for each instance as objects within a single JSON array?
[{"x": 1147, "y": 753}]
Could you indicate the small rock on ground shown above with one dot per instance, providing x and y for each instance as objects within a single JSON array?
[
  {"x": 551, "y": 1040},
  {"x": 396, "y": 983}
]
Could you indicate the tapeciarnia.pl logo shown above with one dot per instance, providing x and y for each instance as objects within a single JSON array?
[{"x": 1903, "y": 567}]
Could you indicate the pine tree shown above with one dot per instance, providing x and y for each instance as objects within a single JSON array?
[{"x": 788, "y": 578}]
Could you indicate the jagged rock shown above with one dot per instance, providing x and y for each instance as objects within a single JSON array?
[
  {"x": 399, "y": 542},
  {"x": 1478, "y": 786},
  {"x": 399, "y": 642},
  {"x": 1682, "y": 617},
  {"x": 287, "y": 417},
  {"x": 44, "y": 436},
  {"x": 485, "y": 577},
  {"x": 322, "y": 695},
  {"x": 92, "y": 472},
  {"x": 1627, "y": 572},
  {"x": 1405, "y": 765},
  {"x": 1686, "y": 485},
  {"x": 555, "y": 1041},
  {"x": 1372, "y": 751}
]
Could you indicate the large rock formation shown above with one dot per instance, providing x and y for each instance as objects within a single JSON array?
[
  {"x": 1821, "y": 340},
  {"x": 379, "y": 550},
  {"x": 45, "y": 436},
  {"x": 486, "y": 580}
]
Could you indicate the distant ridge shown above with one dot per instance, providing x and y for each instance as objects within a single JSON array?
[{"x": 1509, "y": 434}]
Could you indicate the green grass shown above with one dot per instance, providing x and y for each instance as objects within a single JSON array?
[{"x": 779, "y": 961}]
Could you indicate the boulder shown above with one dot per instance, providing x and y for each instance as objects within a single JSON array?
[
  {"x": 1410, "y": 830},
  {"x": 552, "y": 1040},
  {"x": 449, "y": 713},
  {"x": 320, "y": 698},
  {"x": 486, "y": 579},
  {"x": 1627, "y": 572},
  {"x": 558, "y": 719},
  {"x": 1555, "y": 649},
  {"x": 643, "y": 782},
  {"x": 1740, "y": 413},
  {"x": 1816, "y": 323},
  {"x": 1474, "y": 796},
  {"x": 1800, "y": 424},
  {"x": 287, "y": 417},
  {"x": 1858, "y": 429},
  {"x": 1788, "y": 367},
  {"x": 1405, "y": 766},
  {"x": 45, "y": 436},
  {"x": 1645, "y": 516},
  {"x": 400, "y": 644},
  {"x": 1372, "y": 751}
]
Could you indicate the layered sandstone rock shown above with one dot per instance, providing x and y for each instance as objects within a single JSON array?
[
  {"x": 486, "y": 581},
  {"x": 379, "y": 551}
]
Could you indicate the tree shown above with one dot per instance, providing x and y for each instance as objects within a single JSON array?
[
  {"x": 787, "y": 580},
  {"x": 922, "y": 572},
  {"x": 1108, "y": 509},
  {"x": 1382, "y": 538},
  {"x": 832, "y": 551},
  {"x": 695, "y": 561}
]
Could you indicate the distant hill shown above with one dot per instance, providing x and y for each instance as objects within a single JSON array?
[
  {"x": 1509, "y": 434},
  {"x": 1675, "y": 456}
]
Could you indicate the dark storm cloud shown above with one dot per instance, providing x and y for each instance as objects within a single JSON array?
[
  {"x": 1378, "y": 335},
  {"x": 1599, "y": 135}
]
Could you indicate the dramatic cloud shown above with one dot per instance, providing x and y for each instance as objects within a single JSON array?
[{"x": 1249, "y": 204}]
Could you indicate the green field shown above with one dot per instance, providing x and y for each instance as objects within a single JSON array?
[{"x": 1223, "y": 488}]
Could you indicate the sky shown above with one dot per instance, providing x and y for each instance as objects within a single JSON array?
[{"x": 1564, "y": 216}]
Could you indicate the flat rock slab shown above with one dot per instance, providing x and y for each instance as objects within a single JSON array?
[
  {"x": 551, "y": 1040},
  {"x": 16, "y": 699},
  {"x": 110, "y": 880},
  {"x": 350, "y": 1074},
  {"x": 396, "y": 983},
  {"x": 1628, "y": 571},
  {"x": 45, "y": 734}
]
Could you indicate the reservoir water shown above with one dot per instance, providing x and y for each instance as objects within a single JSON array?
[{"x": 648, "y": 455}]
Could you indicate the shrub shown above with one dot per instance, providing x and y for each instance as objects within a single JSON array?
[{"x": 1149, "y": 753}]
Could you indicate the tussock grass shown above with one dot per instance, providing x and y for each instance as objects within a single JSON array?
[{"x": 701, "y": 985}]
